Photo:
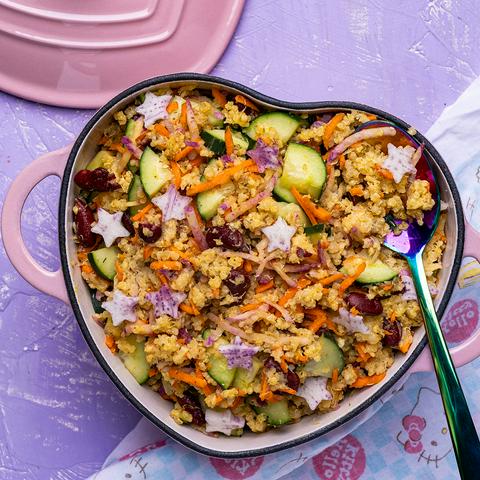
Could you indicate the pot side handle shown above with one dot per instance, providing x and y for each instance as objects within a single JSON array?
[
  {"x": 44, "y": 280},
  {"x": 469, "y": 350}
]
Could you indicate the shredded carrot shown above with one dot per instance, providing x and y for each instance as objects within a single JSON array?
[
  {"x": 335, "y": 375},
  {"x": 247, "y": 265},
  {"x": 387, "y": 287},
  {"x": 219, "y": 97},
  {"x": 351, "y": 278},
  {"x": 291, "y": 391},
  {"x": 264, "y": 288},
  {"x": 181, "y": 341},
  {"x": 329, "y": 165},
  {"x": 215, "y": 292},
  {"x": 181, "y": 254},
  {"x": 249, "y": 306},
  {"x": 370, "y": 116},
  {"x": 313, "y": 211},
  {"x": 190, "y": 309},
  {"x": 110, "y": 343},
  {"x": 357, "y": 191},
  {"x": 172, "y": 106},
  {"x": 117, "y": 147},
  {"x": 120, "y": 273},
  {"x": 162, "y": 130},
  {"x": 244, "y": 101},
  {"x": 266, "y": 393},
  {"x": 301, "y": 358},
  {"x": 162, "y": 278},
  {"x": 354, "y": 311},
  {"x": 207, "y": 389},
  {"x": 283, "y": 364},
  {"x": 332, "y": 278},
  {"x": 237, "y": 402},
  {"x": 341, "y": 161},
  {"x": 183, "y": 153},
  {"x": 320, "y": 319},
  {"x": 183, "y": 116},
  {"x": 368, "y": 381},
  {"x": 362, "y": 354},
  {"x": 290, "y": 293},
  {"x": 393, "y": 316},
  {"x": 147, "y": 251},
  {"x": 196, "y": 162},
  {"x": 166, "y": 265},
  {"x": 141, "y": 213},
  {"x": 384, "y": 172},
  {"x": 87, "y": 268},
  {"x": 152, "y": 372},
  {"x": 177, "y": 174},
  {"x": 229, "y": 146},
  {"x": 253, "y": 169},
  {"x": 189, "y": 378},
  {"x": 330, "y": 128},
  {"x": 219, "y": 179},
  {"x": 404, "y": 347}
]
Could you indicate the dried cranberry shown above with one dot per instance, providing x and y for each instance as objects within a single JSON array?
[
  {"x": 99, "y": 179},
  {"x": 127, "y": 223},
  {"x": 83, "y": 222},
  {"x": 183, "y": 334},
  {"x": 363, "y": 304},
  {"x": 225, "y": 236},
  {"x": 393, "y": 333},
  {"x": 293, "y": 381},
  {"x": 189, "y": 402},
  {"x": 264, "y": 278},
  {"x": 238, "y": 283},
  {"x": 162, "y": 392},
  {"x": 271, "y": 363},
  {"x": 149, "y": 233},
  {"x": 301, "y": 253}
]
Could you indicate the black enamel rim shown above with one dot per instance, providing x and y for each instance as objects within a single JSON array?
[{"x": 332, "y": 105}]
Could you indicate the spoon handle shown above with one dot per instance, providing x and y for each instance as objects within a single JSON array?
[{"x": 462, "y": 429}]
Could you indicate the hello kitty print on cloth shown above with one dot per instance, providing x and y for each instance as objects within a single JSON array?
[{"x": 400, "y": 437}]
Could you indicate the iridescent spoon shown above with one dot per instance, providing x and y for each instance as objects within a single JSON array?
[{"x": 410, "y": 243}]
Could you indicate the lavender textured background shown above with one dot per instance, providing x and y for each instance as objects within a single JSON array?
[{"x": 59, "y": 414}]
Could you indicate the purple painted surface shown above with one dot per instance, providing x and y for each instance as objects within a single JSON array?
[{"x": 60, "y": 415}]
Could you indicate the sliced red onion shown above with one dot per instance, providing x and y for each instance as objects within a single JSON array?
[
  {"x": 279, "y": 235},
  {"x": 218, "y": 115},
  {"x": 192, "y": 124},
  {"x": 353, "y": 323},
  {"x": 265, "y": 156},
  {"x": 399, "y": 161},
  {"x": 246, "y": 315},
  {"x": 154, "y": 108},
  {"x": 317, "y": 123},
  {"x": 223, "y": 206},
  {"x": 281, "y": 309},
  {"x": 222, "y": 421},
  {"x": 121, "y": 308},
  {"x": 357, "y": 137},
  {"x": 110, "y": 226},
  {"x": 227, "y": 326},
  {"x": 245, "y": 256},
  {"x": 190, "y": 143},
  {"x": 265, "y": 261},
  {"x": 433, "y": 289},
  {"x": 418, "y": 154},
  {"x": 226, "y": 159},
  {"x": 300, "y": 268},
  {"x": 184, "y": 334},
  {"x": 314, "y": 390},
  {"x": 409, "y": 288},
  {"x": 290, "y": 282},
  {"x": 238, "y": 354},
  {"x": 195, "y": 227},
  {"x": 254, "y": 201},
  {"x": 132, "y": 147},
  {"x": 166, "y": 301},
  {"x": 99, "y": 295},
  {"x": 172, "y": 204},
  {"x": 264, "y": 278}
]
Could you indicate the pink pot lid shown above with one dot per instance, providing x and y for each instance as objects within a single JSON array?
[{"x": 81, "y": 54}]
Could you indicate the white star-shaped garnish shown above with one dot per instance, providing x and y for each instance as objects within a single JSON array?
[
  {"x": 279, "y": 235},
  {"x": 172, "y": 204},
  {"x": 109, "y": 226},
  {"x": 166, "y": 301},
  {"x": 154, "y": 108},
  {"x": 399, "y": 161},
  {"x": 121, "y": 308}
]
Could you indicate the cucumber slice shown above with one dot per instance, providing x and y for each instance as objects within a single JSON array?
[
  {"x": 293, "y": 214},
  {"x": 134, "y": 128},
  {"x": 303, "y": 169},
  {"x": 136, "y": 363},
  {"x": 103, "y": 261},
  {"x": 244, "y": 378},
  {"x": 332, "y": 358},
  {"x": 135, "y": 191},
  {"x": 215, "y": 140},
  {"x": 315, "y": 232},
  {"x": 283, "y": 123},
  {"x": 277, "y": 413},
  {"x": 99, "y": 160},
  {"x": 219, "y": 371},
  {"x": 375, "y": 272},
  {"x": 209, "y": 201},
  {"x": 154, "y": 174}
]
